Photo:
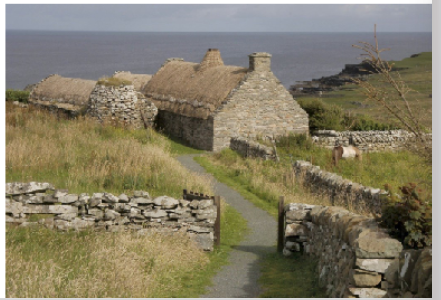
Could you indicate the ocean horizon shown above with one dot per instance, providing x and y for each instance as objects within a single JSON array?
[{"x": 296, "y": 56}]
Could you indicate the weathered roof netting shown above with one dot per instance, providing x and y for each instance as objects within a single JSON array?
[
  {"x": 63, "y": 89},
  {"x": 186, "y": 89},
  {"x": 138, "y": 80}
]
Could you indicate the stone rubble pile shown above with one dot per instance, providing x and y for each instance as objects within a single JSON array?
[
  {"x": 356, "y": 258},
  {"x": 58, "y": 209},
  {"x": 122, "y": 103},
  {"x": 250, "y": 148},
  {"x": 373, "y": 140},
  {"x": 340, "y": 191}
]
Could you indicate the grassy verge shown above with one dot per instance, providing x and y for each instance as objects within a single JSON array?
[
  {"x": 45, "y": 263},
  {"x": 233, "y": 228},
  {"x": 290, "y": 277}
]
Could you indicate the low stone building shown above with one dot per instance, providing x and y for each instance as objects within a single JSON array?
[
  {"x": 57, "y": 93},
  {"x": 208, "y": 103},
  {"x": 122, "y": 104},
  {"x": 110, "y": 99}
]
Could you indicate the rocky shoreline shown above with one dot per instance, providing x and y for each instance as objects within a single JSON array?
[{"x": 347, "y": 76}]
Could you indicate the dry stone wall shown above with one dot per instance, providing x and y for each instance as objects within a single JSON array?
[
  {"x": 103, "y": 211},
  {"x": 122, "y": 103},
  {"x": 356, "y": 258},
  {"x": 366, "y": 140},
  {"x": 249, "y": 148},
  {"x": 340, "y": 191}
]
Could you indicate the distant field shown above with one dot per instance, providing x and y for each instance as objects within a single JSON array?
[{"x": 415, "y": 71}]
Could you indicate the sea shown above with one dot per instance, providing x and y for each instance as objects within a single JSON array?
[{"x": 33, "y": 55}]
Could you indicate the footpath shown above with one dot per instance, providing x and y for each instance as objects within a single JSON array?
[{"x": 239, "y": 278}]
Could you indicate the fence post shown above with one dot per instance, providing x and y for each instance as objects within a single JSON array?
[
  {"x": 281, "y": 224},
  {"x": 217, "y": 224}
]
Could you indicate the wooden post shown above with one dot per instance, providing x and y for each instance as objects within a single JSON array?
[
  {"x": 281, "y": 224},
  {"x": 184, "y": 194},
  {"x": 217, "y": 229}
]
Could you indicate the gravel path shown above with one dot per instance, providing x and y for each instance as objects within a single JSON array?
[{"x": 239, "y": 278}]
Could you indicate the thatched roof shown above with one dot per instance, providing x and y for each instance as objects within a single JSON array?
[
  {"x": 192, "y": 89},
  {"x": 63, "y": 90},
  {"x": 138, "y": 80}
]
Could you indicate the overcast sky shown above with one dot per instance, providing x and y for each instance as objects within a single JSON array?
[{"x": 221, "y": 17}]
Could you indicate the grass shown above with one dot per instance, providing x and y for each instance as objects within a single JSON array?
[
  {"x": 416, "y": 72},
  {"x": 84, "y": 156},
  {"x": 113, "y": 81},
  {"x": 290, "y": 277},
  {"x": 263, "y": 182},
  {"x": 45, "y": 263}
]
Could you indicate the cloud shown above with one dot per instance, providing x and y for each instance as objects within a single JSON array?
[{"x": 220, "y": 17}]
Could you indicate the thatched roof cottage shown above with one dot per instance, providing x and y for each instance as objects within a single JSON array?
[
  {"x": 62, "y": 93},
  {"x": 208, "y": 103}
]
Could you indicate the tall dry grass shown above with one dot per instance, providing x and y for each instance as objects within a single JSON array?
[
  {"x": 43, "y": 263},
  {"x": 83, "y": 156}
]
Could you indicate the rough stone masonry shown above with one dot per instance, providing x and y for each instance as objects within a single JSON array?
[
  {"x": 356, "y": 258},
  {"x": 107, "y": 212}
]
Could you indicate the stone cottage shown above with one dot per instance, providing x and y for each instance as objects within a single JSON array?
[
  {"x": 208, "y": 103},
  {"x": 115, "y": 99},
  {"x": 57, "y": 93}
]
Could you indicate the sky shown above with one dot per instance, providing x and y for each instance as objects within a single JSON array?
[{"x": 221, "y": 17}]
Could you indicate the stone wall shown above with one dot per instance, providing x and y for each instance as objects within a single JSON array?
[
  {"x": 103, "y": 211},
  {"x": 259, "y": 106},
  {"x": 198, "y": 133},
  {"x": 373, "y": 140},
  {"x": 249, "y": 148},
  {"x": 356, "y": 258},
  {"x": 340, "y": 191},
  {"x": 122, "y": 103}
]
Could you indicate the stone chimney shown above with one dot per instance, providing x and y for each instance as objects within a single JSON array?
[
  {"x": 260, "y": 62},
  {"x": 211, "y": 59}
]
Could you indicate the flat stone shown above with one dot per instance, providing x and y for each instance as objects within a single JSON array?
[
  {"x": 375, "y": 264},
  {"x": 66, "y": 217},
  {"x": 18, "y": 188},
  {"x": 365, "y": 278},
  {"x": 155, "y": 214},
  {"x": 377, "y": 245},
  {"x": 297, "y": 215},
  {"x": 49, "y": 209},
  {"x": 141, "y": 200},
  {"x": 167, "y": 202},
  {"x": 68, "y": 199}
]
